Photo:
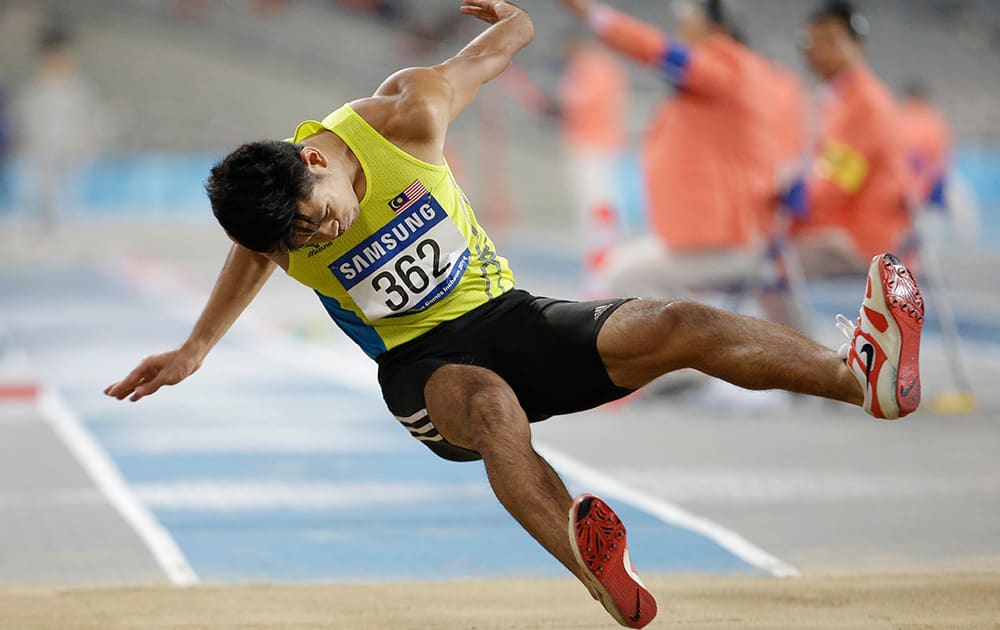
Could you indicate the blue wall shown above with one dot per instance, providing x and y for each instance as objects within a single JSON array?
[{"x": 980, "y": 166}]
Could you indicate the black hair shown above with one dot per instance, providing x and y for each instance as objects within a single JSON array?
[
  {"x": 716, "y": 11},
  {"x": 915, "y": 89},
  {"x": 55, "y": 35},
  {"x": 255, "y": 193},
  {"x": 720, "y": 13},
  {"x": 844, "y": 10}
]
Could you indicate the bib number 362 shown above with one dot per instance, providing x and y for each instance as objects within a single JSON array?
[
  {"x": 407, "y": 265},
  {"x": 411, "y": 276}
]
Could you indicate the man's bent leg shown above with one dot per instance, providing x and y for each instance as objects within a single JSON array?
[
  {"x": 645, "y": 339},
  {"x": 474, "y": 408}
]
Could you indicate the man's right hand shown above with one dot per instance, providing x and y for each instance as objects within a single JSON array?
[
  {"x": 168, "y": 368},
  {"x": 579, "y": 7}
]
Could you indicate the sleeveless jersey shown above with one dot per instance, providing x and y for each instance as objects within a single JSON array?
[{"x": 415, "y": 256}]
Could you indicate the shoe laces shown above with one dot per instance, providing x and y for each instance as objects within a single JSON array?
[{"x": 846, "y": 327}]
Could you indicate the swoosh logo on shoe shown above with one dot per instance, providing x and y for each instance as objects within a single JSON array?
[
  {"x": 635, "y": 617},
  {"x": 906, "y": 390},
  {"x": 869, "y": 351}
]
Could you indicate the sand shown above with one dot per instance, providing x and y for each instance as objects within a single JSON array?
[{"x": 915, "y": 601}]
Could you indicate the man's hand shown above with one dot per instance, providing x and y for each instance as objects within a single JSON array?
[
  {"x": 168, "y": 368},
  {"x": 489, "y": 11},
  {"x": 579, "y": 7}
]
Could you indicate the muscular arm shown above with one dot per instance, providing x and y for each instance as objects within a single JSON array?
[
  {"x": 414, "y": 106},
  {"x": 239, "y": 281},
  {"x": 485, "y": 57}
]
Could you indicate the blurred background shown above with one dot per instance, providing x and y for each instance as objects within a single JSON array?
[
  {"x": 161, "y": 88},
  {"x": 113, "y": 111}
]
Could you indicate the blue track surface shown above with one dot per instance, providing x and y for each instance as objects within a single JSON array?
[{"x": 262, "y": 473}]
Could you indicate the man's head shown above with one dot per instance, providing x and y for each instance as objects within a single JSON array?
[
  {"x": 915, "y": 90},
  {"x": 700, "y": 19},
  {"x": 835, "y": 38},
  {"x": 55, "y": 46},
  {"x": 274, "y": 197}
]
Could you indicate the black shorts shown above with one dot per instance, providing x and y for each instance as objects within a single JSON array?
[{"x": 545, "y": 349}]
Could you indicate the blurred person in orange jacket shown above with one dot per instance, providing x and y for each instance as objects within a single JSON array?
[
  {"x": 708, "y": 157},
  {"x": 780, "y": 290},
  {"x": 928, "y": 142},
  {"x": 857, "y": 191},
  {"x": 947, "y": 213},
  {"x": 593, "y": 93},
  {"x": 791, "y": 124}
]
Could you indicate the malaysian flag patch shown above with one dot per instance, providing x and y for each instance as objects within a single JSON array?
[{"x": 408, "y": 197}]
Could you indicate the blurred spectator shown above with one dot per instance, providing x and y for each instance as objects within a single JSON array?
[
  {"x": 935, "y": 185},
  {"x": 857, "y": 191},
  {"x": 790, "y": 122},
  {"x": 927, "y": 139},
  {"x": 781, "y": 292},
  {"x": 708, "y": 158},
  {"x": 59, "y": 125},
  {"x": 592, "y": 95}
]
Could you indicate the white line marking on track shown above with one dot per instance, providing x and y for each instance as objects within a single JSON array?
[
  {"x": 236, "y": 495},
  {"x": 110, "y": 482},
  {"x": 797, "y": 487},
  {"x": 300, "y": 438},
  {"x": 609, "y": 488}
]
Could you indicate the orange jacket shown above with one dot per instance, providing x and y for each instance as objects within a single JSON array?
[
  {"x": 592, "y": 92},
  {"x": 709, "y": 155},
  {"x": 859, "y": 180},
  {"x": 928, "y": 146},
  {"x": 789, "y": 114}
]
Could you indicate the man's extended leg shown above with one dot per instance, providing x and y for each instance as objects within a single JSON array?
[
  {"x": 474, "y": 408},
  {"x": 644, "y": 339},
  {"x": 647, "y": 338}
]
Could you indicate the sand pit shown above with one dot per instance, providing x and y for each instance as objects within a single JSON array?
[{"x": 896, "y": 602}]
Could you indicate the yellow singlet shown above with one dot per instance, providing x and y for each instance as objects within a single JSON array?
[{"x": 414, "y": 258}]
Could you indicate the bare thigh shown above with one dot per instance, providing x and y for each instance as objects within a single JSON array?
[
  {"x": 641, "y": 341},
  {"x": 474, "y": 408}
]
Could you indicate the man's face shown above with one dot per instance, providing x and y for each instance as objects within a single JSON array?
[
  {"x": 331, "y": 208},
  {"x": 828, "y": 47}
]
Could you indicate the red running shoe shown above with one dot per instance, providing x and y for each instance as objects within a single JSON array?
[
  {"x": 883, "y": 351},
  {"x": 598, "y": 540}
]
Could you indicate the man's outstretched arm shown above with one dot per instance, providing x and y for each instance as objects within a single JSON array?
[
  {"x": 429, "y": 99},
  {"x": 489, "y": 54},
  {"x": 240, "y": 279}
]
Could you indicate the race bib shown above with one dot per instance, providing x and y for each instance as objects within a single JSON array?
[{"x": 409, "y": 264}]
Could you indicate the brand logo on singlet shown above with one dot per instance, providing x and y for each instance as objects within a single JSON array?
[{"x": 409, "y": 264}]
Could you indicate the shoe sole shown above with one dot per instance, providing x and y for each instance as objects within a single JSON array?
[
  {"x": 901, "y": 299},
  {"x": 645, "y": 604}
]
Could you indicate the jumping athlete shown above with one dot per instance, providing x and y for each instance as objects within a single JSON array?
[{"x": 363, "y": 208}]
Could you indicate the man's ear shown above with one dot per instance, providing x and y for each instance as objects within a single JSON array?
[{"x": 311, "y": 156}]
